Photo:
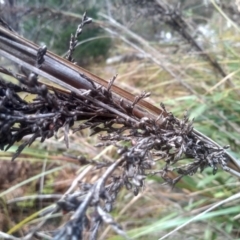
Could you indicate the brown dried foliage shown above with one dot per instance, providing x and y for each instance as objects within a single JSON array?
[{"x": 142, "y": 139}]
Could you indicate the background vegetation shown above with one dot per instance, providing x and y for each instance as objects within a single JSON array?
[{"x": 148, "y": 54}]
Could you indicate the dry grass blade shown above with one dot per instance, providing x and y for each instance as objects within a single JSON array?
[{"x": 236, "y": 196}]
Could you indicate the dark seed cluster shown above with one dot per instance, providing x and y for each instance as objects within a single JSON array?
[
  {"x": 143, "y": 145},
  {"x": 73, "y": 40},
  {"x": 151, "y": 144}
]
